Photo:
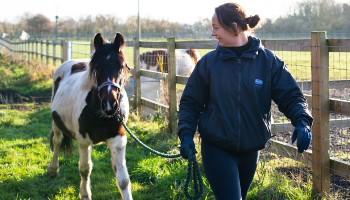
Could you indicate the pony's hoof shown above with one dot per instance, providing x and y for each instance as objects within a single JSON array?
[{"x": 52, "y": 171}]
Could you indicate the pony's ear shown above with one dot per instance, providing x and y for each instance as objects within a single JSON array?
[
  {"x": 118, "y": 41},
  {"x": 98, "y": 41}
]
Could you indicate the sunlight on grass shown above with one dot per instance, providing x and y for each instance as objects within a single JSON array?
[
  {"x": 65, "y": 193},
  {"x": 24, "y": 156},
  {"x": 150, "y": 169},
  {"x": 28, "y": 78},
  {"x": 12, "y": 118},
  {"x": 278, "y": 187}
]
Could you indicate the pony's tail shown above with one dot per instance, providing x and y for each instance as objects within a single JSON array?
[{"x": 66, "y": 144}]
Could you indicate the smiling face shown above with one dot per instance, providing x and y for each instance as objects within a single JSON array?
[
  {"x": 223, "y": 35},
  {"x": 226, "y": 36}
]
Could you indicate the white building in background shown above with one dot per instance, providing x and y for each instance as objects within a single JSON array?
[
  {"x": 4, "y": 35},
  {"x": 24, "y": 36}
]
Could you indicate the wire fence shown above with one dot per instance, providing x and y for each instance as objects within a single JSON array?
[{"x": 299, "y": 64}]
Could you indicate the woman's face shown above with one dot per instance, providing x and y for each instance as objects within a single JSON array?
[{"x": 224, "y": 36}]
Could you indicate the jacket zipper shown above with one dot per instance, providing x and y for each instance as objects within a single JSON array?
[{"x": 239, "y": 103}]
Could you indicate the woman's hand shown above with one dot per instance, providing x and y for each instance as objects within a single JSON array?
[
  {"x": 302, "y": 134},
  {"x": 187, "y": 147}
]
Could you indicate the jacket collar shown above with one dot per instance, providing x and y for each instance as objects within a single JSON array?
[{"x": 250, "y": 53}]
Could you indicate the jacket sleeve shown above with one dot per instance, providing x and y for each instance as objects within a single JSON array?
[
  {"x": 193, "y": 100},
  {"x": 287, "y": 94}
]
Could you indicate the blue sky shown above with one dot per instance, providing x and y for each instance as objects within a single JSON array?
[{"x": 184, "y": 11}]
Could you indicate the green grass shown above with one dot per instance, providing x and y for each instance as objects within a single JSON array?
[
  {"x": 26, "y": 78},
  {"x": 25, "y": 154},
  {"x": 299, "y": 62}
]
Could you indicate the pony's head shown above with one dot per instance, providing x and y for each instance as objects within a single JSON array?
[{"x": 109, "y": 70}]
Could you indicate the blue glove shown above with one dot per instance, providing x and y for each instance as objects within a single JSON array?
[
  {"x": 187, "y": 147},
  {"x": 302, "y": 134}
]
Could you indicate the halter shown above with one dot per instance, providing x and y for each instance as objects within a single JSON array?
[
  {"x": 119, "y": 86},
  {"x": 118, "y": 113},
  {"x": 109, "y": 83}
]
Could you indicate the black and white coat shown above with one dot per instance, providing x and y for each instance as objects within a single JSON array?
[{"x": 78, "y": 113}]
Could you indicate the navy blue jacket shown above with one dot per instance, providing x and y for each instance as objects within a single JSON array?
[{"x": 229, "y": 98}]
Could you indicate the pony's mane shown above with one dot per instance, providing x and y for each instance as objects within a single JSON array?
[
  {"x": 101, "y": 53},
  {"x": 98, "y": 54}
]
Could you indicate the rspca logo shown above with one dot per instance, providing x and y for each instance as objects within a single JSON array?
[{"x": 259, "y": 82}]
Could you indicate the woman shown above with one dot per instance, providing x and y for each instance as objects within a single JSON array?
[{"x": 228, "y": 96}]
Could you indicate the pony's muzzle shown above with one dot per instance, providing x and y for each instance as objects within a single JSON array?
[
  {"x": 110, "y": 95},
  {"x": 109, "y": 107}
]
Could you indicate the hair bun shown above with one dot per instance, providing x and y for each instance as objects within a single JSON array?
[{"x": 252, "y": 21}]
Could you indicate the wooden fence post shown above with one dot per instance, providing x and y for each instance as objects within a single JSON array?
[
  {"x": 92, "y": 47},
  {"x": 23, "y": 47},
  {"x": 320, "y": 112},
  {"x": 32, "y": 49},
  {"x": 54, "y": 51},
  {"x": 172, "y": 86},
  {"x": 29, "y": 54},
  {"x": 66, "y": 50},
  {"x": 137, "y": 76},
  {"x": 42, "y": 51},
  {"x": 36, "y": 50},
  {"x": 47, "y": 51},
  {"x": 27, "y": 50}
]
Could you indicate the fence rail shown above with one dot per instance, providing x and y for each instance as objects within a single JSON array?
[
  {"x": 43, "y": 50},
  {"x": 318, "y": 46}
]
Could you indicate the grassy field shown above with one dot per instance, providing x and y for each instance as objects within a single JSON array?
[
  {"x": 26, "y": 78},
  {"x": 25, "y": 154},
  {"x": 298, "y": 62}
]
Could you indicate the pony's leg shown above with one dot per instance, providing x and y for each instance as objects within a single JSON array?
[
  {"x": 117, "y": 147},
  {"x": 55, "y": 140},
  {"x": 85, "y": 167}
]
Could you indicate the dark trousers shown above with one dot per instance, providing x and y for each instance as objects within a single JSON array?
[{"x": 229, "y": 174}]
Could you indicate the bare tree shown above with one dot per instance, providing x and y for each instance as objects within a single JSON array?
[{"x": 39, "y": 25}]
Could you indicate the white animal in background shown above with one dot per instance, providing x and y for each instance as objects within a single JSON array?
[{"x": 157, "y": 60}]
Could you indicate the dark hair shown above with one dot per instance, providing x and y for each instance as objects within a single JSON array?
[{"x": 232, "y": 15}]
